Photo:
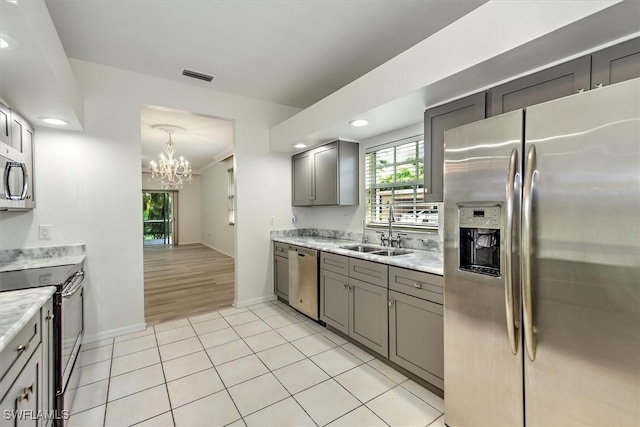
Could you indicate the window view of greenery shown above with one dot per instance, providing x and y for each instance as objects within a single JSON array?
[
  {"x": 395, "y": 175},
  {"x": 157, "y": 215}
]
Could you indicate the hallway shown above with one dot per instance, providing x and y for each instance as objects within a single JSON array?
[{"x": 184, "y": 281}]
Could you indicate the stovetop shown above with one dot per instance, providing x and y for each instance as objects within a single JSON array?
[{"x": 35, "y": 277}]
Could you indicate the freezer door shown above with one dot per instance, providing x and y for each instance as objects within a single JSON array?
[
  {"x": 581, "y": 256},
  {"x": 482, "y": 375}
]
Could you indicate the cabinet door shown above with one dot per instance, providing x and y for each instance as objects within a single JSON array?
[
  {"x": 301, "y": 179},
  {"x": 27, "y": 150},
  {"x": 48, "y": 367},
  {"x": 23, "y": 397},
  {"x": 556, "y": 82},
  {"x": 325, "y": 178},
  {"x": 334, "y": 300},
  {"x": 616, "y": 64},
  {"x": 281, "y": 277},
  {"x": 436, "y": 121},
  {"x": 416, "y": 336},
  {"x": 368, "y": 316},
  {"x": 5, "y": 124}
]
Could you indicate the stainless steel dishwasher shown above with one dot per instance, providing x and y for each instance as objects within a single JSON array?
[{"x": 303, "y": 280}]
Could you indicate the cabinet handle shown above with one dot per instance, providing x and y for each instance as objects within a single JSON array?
[
  {"x": 391, "y": 302},
  {"x": 26, "y": 394},
  {"x": 580, "y": 90},
  {"x": 345, "y": 286},
  {"x": 417, "y": 285},
  {"x": 348, "y": 288},
  {"x": 23, "y": 347},
  {"x": 599, "y": 85},
  {"x": 50, "y": 316}
]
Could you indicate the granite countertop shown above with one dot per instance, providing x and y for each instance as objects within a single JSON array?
[
  {"x": 24, "y": 263},
  {"x": 420, "y": 260},
  {"x": 22, "y": 259},
  {"x": 17, "y": 308}
]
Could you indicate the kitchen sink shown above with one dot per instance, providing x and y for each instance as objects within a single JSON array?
[
  {"x": 391, "y": 252},
  {"x": 362, "y": 248}
]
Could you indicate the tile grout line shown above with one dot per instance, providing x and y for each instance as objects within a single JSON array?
[{"x": 164, "y": 376}]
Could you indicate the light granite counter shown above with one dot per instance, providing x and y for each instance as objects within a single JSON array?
[
  {"x": 22, "y": 259},
  {"x": 17, "y": 308},
  {"x": 420, "y": 260}
]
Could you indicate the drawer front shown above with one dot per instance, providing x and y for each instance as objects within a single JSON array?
[
  {"x": 281, "y": 249},
  {"x": 19, "y": 350},
  {"x": 336, "y": 263},
  {"x": 422, "y": 285},
  {"x": 370, "y": 272}
]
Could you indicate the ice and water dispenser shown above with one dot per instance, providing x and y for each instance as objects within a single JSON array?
[{"x": 480, "y": 239}]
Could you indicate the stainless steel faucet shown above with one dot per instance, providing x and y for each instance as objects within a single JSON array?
[
  {"x": 391, "y": 221},
  {"x": 365, "y": 239}
]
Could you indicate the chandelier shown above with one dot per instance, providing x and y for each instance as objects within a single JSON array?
[{"x": 171, "y": 172}]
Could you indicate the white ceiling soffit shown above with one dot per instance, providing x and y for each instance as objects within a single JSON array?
[
  {"x": 206, "y": 140},
  {"x": 491, "y": 44},
  {"x": 36, "y": 79},
  {"x": 292, "y": 52}
]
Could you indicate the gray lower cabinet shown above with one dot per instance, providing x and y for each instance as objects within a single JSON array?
[
  {"x": 27, "y": 390},
  {"x": 416, "y": 336},
  {"x": 281, "y": 270},
  {"x": 368, "y": 318},
  {"x": 334, "y": 300},
  {"x": 436, "y": 121},
  {"x": 552, "y": 83},
  {"x": 352, "y": 306},
  {"x": 326, "y": 175},
  {"x": 616, "y": 64},
  {"x": 23, "y": 398}
]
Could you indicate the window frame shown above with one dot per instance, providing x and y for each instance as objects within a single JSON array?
[{"x": 374, "y": 189}]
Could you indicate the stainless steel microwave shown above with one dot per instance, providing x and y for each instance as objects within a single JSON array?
[{"x": 15, "y": 181}]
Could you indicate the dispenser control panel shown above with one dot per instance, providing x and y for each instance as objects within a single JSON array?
[{"x": 480, "y": 217}]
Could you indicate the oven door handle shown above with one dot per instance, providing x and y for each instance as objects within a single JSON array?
[{"x": 79, "y": 284}]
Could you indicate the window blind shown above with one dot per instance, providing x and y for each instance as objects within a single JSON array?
[{"x": 395, "y": 176}]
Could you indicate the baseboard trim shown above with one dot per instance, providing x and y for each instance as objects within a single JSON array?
[
  {"x": 218, "y": 249},
  {"x": 89, "y": 338},
  {"x": 252, "y": 301}
]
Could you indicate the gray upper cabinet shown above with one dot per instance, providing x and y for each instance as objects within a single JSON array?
[
  {"x": 22, "y": 141},
  {"x": 616, "y": 64},
  {"x": 436, "y": 121},
  {"x": 556, "y": 82},
  {"x": 5, "y": 124},
  {"x": 326, "y": 175}
]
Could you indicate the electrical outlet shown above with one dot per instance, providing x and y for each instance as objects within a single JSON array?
[
  {"x": 272, "y": 221},
  {"x": 45, "y": 231}
]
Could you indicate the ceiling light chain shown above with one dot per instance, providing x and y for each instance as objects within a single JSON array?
[{"x": 171, "y": 172}]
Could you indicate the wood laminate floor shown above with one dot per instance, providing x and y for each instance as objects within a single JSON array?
[{"x": 183, "y": 281}]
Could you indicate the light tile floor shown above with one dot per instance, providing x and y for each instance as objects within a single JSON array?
[{"x": 264, "y": 365}]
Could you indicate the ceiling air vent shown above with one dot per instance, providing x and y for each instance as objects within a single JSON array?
[{"x": 197, "y": 75}]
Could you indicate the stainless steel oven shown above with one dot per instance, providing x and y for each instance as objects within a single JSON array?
[{"x": 68, "y": 327}]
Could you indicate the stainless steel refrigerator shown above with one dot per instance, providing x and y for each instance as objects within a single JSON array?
[{"x": 542, "y": 264}]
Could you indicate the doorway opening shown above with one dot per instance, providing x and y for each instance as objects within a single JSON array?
[{"x": 159, "y": 218}]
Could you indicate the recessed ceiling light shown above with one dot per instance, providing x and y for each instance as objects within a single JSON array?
[
  {"x": 7, "y": 42},
  {"x": 301, "y": 145},
  {"x": 57, "y": 122},
  {"x": 358, "y": 123},
  {"x": 3, "y": 43}
]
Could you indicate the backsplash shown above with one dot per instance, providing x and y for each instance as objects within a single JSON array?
[{"x": 424, "y": 241}]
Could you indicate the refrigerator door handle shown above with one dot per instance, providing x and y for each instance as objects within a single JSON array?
[
  {"x": 527, "y": 201},
  {"x": 512, "y": 180}
]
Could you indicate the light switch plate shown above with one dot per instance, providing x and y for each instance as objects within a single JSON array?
[{"x": 45, "y": 231}]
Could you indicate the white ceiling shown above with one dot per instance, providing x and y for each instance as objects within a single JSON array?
[
  {"x": 292, "y": 52},
  {"x": 206, "y": 140}
]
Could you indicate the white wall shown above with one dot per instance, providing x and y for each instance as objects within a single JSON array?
[
  {"x": 217, "y": 233},
  {"x": 189, "y": 208},
  {"x": 88, "y": 188}
]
